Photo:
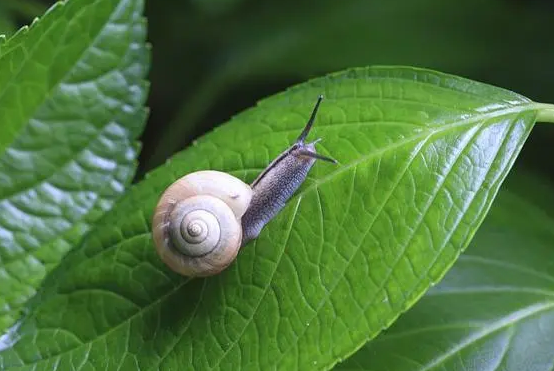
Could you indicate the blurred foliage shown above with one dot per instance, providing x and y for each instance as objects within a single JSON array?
[
  {"x": 214, "y": 58},
  {"x": 16, "y": 13},
  {"x": 210, "y": 65},
  {"x": 7, "y": 24}
]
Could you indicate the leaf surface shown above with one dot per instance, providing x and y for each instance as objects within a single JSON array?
[
  {"x": 494, "y": 310},
  {"x": 71, "y": 107},
  {"x": 421, "y": 156}
]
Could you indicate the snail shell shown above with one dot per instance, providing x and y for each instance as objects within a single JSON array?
[{"x": 197, "y": 228}]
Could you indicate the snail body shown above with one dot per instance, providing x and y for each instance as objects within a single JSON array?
[
  {"x": 273, "y": 188},
  {"x": 204, "y": 218}
]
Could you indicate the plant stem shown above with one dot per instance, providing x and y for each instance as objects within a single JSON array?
[
  {"x": 546, "y": 112},
  {"x": 26, "y": 8}
]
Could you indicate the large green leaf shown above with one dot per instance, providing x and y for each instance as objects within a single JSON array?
[
  {"x": 493, "y": 311},
  {"x": 421, "y": 154},
  {"x": 71, "y": 98}
]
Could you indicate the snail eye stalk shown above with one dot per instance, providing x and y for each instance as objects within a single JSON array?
[{"x": 310, "y": 123}]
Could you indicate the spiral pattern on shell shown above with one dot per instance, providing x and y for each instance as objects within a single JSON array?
[{"x": 197, "y": 229}]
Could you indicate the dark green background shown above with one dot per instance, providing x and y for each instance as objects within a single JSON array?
[{"x": 214, "y": 58}]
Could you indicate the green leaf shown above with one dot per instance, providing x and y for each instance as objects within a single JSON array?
[
  {"x": 71, "y": 98},
  {"x": 422, "y": 155},
  {"x": 493, "y": 311}
]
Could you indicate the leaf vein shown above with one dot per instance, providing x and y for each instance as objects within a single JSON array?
[{"x": 249, "y": 322}]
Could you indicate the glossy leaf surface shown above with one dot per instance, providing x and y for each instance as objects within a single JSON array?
[
  {"x": 71, "y": 109},
  {"x": 421, "y": 156},
  {"x": 494, "y": 310}
]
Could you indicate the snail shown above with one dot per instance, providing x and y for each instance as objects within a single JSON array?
[{"x": 204, "y": 218}]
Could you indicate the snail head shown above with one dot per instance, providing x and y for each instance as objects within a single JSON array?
[{"x": 301, "y": 148}]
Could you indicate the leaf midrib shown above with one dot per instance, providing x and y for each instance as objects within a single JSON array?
[
  {"x": 415, "y": 138},
  {"x": 474, "y": 114},
  {"x": 455, "y": 124}
]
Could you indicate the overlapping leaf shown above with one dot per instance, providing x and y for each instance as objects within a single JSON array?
[
  {"x": 422, "y": 155},
  {"x": 71, "y": 108},
  {"x": 493, "y": 311}
]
